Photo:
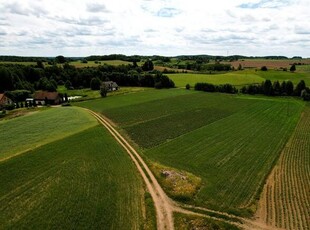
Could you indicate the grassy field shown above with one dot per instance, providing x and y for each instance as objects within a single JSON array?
[
  {"x": 240, "y": 78},
  {"x": 285, "y": 202},
  {"x": 87, "y": 93},
  {"x": 234, "y": 78},
  {"x": 19, "y": 63},
  {"x": 82, "y": 181},
  {"x": 79, "y": 64},
  {"x": 230, "y": 142},
  {"x": 28, "y": 132},
  {"x": 132, "y": 98},
  {"x": 275, "y": 75}
]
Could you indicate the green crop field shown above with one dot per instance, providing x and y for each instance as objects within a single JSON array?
[
  {"x": 275, "y": 75},
  {"x": 240, "y": 78},
  {"x": 87, "y": 93},
  {"x": 231, "y": 142},
  {"x": 235, "y": 78},
  {"x": 285, "y": 200},
  {"x": 233, "y": 155},
  {"x": 19, "y": 63},
  {"x": 81, "y": 181},
  {"x": 28, "y": 132},
  {"x": 132, "y": 98}
]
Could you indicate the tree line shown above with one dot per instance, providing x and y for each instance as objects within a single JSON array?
[
  {"x": 285, "y": 88},
  {"x": 31, "y": 78}
]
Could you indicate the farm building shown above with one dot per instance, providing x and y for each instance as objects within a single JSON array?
[
  {"x": 4, "y": 100},
  {"x": 110, "y": 85},
  {"x": 44, "y": 97}
]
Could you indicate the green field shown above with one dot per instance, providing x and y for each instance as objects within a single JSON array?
[
  {"x": 18, "y": 63},
  {"x": 240, "y": 78},
  {"x": 79, "y": 64},
  {"x": 235, "y": 78},
  {"x": 275, "y": 75},
  {"x": 87, "y": 93},
  {"x": 230, "y": 142},
  {"x": 131, "y": 98},
  {"x": 84, "y": 180},
  {"x": 28, "y": 132}
]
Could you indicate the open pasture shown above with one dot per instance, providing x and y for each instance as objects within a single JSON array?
[
  {"x": 28, "y": 132},
  {"x": 275, "y": 75},
  {"x": 285, "y": 201},
  {"x": 235, "y": 78},
  {"x": 240, "y": 78}
]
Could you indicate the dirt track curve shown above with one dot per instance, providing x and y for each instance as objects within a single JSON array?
[{"x": 164, "y": 206}]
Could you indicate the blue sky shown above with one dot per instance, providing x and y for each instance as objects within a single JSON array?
[{"x": 161, "y": 27}]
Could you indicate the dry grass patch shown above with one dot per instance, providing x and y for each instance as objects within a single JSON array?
[{"x": 180, "y": 185}]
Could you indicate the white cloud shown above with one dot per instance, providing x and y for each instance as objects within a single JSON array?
[{"x": 164, "y": 27}]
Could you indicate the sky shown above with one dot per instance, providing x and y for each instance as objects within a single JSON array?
[{"x": 78, "y": 28}]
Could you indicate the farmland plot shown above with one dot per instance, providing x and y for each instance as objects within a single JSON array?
[
  {"x": 232, "y": 155},
  {"x": 28, "y": 132},
  {"x": 84, "y": 180},
  {"x": 230, "y": 142},
  {"x": 285, "y": 202}
]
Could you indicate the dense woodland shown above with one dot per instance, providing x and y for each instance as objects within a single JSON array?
[{"x": 39, "y": 77}]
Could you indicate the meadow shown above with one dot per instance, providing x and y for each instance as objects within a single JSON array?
[
  {"x": 84, "y": 180},
  {"x": 234, "y": 78},
  {"x": 239, "y": 78},
  {"x": 87, "y": 93},
  {"x": 230, "y": 142},
  {"x": 41, "y": 127}
]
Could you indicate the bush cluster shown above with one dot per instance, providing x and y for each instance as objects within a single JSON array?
[{"x": 207, "y": 87}]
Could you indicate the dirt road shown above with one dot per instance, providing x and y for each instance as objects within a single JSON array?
[{"x": 165, "y": 207}]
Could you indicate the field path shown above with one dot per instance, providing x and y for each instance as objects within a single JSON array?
[{"x": 165, "y": 207}]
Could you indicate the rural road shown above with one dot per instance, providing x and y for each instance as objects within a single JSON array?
[{"x": 164, "y": 206}]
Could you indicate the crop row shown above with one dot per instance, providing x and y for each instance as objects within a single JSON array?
[
  {"x": 232, "y": 155},
  {"x": 85, "y": 181},
  {"x": 288, "y": 194}
]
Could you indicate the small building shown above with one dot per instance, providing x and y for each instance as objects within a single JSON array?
[
  {"x": 110, "y": 85},
  {"x": 44, "y": 97},
  {"x": 4, "y": 100}
]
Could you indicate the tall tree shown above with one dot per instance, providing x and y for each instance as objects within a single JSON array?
[
  {"x": 289, "y": 88},
  {"x": 300, "y": 87},
  {"x": 95, "y": 83},
  {"x": 148, "y": 65},
  {"x": 293, "y": 68}
]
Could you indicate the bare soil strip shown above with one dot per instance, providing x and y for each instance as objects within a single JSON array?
[
  {"x": 285, "y": 201},
  {"x": 165, "y": 207}
]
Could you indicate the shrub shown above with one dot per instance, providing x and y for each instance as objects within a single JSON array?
[
  {"x": 95, "y": 83},
  {"x": 187, "y": 86},
  {"x": 103, "y": 91},
  {"x": 264, "y": 68}
]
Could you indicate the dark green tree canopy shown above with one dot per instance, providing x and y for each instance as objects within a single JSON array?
[
  {"x": 148, "y": 65},
  {"x": 95, "y": 83}
]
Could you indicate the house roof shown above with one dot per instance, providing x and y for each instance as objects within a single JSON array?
[
  {"x": 110, "y": 83},
  {"x": 41, "y": 95}
]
